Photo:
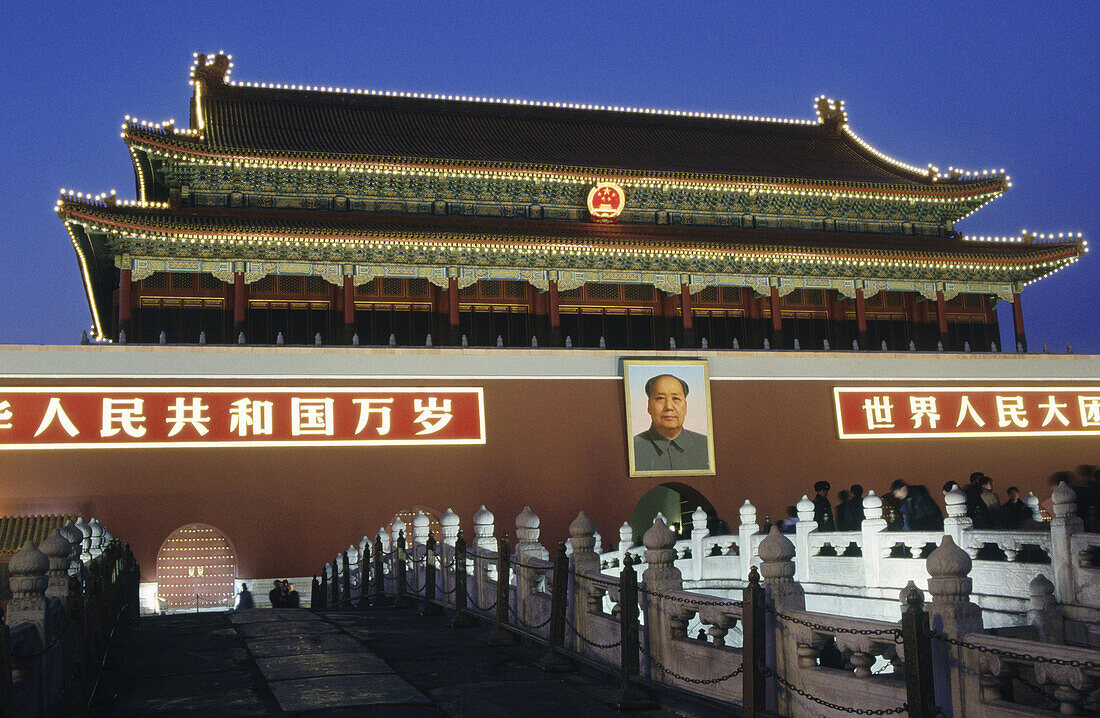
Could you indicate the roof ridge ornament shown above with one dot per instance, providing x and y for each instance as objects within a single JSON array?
[
  {"x": 211, "y": 70},
  {"x": 832, "y": 114}
]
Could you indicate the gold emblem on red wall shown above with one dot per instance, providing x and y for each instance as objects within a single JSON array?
[{"x": 605, "y": 202}]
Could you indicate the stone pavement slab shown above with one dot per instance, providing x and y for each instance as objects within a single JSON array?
[
  {"x": 272, "y": 629},
  {"x": 282, "y": 668},
  {"x": 345, "y": 692},
  {"x": 296, "y": 645}
]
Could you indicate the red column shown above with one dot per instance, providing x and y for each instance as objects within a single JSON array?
[
  {"x": 555, "y": 314},
  {"x": 685, "y": 306},
  {"x": 1018, "y": 320},
  {"x": 452, "y": 308},
  {"x": 861, "y": 312},
  {"x": 777, "y": 317},
  {"x": 238, "y": 300},
  {"x": 349, "y": 301},
  {"x": 124, "y": 297},
  {"x": 941, "y": 313}
]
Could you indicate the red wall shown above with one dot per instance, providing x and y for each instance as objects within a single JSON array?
[{"x": 556, "y": 445}]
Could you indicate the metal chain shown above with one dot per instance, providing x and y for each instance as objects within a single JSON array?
[
  {"x": 475, "y": 604},
  {"x": 893, "y": 632},
  {"x": 697, "y": 681},
  {"x": 843, "y": 709},
  {"x": 1088, "y": 665},
  {"x": 729, "y": 603},
  {"x": 594, "y": 644},
  {"x": 594, "y": 579},
  {"x": 525, "y": 623}
]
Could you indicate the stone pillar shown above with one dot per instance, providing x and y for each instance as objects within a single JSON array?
[
  {"x": 555, "y": 314},
  {"x": 661, "y": 575},
  {"x": 941, "y": 317},
  {"x": 239, "y": 304},
  {"x": 698, "y": 533},
  {"x": 1043, "y": 611},
  {"x": 527, "y": 549},
  {"x": 1065, "y": 523},
  {"x": 96, "y": 544},
  {"x": 626, "y": 538},
  {"x": 124, "y": 285},
  {"x": 582, "y": 541},
  {"x": 421, "y": 526},
  {"x": 872, "y": 544},
  {"x": 448, "y": 535},
  {"x": 745, "y": 532},
  {"x": 957, "y": 523},
  {"x": 72, "y": 534},
  {"x": 28, "y": 570},
  {"x": 58, "y": 551},
  {"x": 685, "y": 316},
  {"x": 85, "y": 540},
  {"x": 448, "y": 523},
  {"x": 1018, "y": 321},
  {"x": 777, "y": 321},
  {"x": 782, "y": 593},
  {"x": 805, "y": 526},
  {"x": 483, "y": 544},
  {"x": 952, "y": 613},
  {"x": 861, "y": 320}
]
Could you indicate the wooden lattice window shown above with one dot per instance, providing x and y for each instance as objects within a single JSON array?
[
  {"x": 209, "y": 283},
  {"x": 370, "y": 287},
  {"x": 973, "y": 300},
  {"x": 792, "y": 299},
  {"x": 893, "y": 299},
  {"x": 638, "y": 292},
  {"x": 710, "y": 294},
  {"x": 815, "y": 297},
  {"x": 731, "y": 295},
  {"x": 196, "y": 568},
  {"x": 418, "y": 287},
  {"x": 155, "y": 281},
  {"x": 469, "y": 292},
  {"x": 955, "y": 301},
  {"x": 392, "y": 287},
  {"x": 262, "y": 286},
  {"x": 515, "y": 290},
  {"x": 182, "y": 281},
  {"x": 491, "y": 289},
  {"x": 289, "y": 284},
  {"x": 315, "y": 285},
  {"x": 599, "y": 290}
]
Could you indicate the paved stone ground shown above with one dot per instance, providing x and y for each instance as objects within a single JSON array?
[{"x": 376, "y": 662}]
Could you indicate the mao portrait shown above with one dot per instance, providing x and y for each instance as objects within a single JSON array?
[{"x": 668, "y": 418}]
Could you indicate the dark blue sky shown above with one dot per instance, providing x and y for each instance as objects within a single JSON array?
[{"x": 972, "y": 85}]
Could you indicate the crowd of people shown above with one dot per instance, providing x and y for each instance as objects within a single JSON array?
[{"x": 910, "y": 507}]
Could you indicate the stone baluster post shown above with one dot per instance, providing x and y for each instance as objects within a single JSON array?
[
  {"x": 873, "y": 539},
  {"x": 582, "y": 541},
  {"x": 381, "y": 548},
  {"x": 28, "y": 581},
  {"x": 397, "y": 528},
  {"x": 527, "y": 548},
  {"x": 626, "y": 540},
  {"x": 73, "y": 536},
  {"x": 661, "y": 575},
  {"x": 598, "y": 546},
  {"x": 448, "y": 534},
  {"x": 96, "y": 544},
  {"x": 1065, "y": 523},
  {"x": 1043, "y": 611},
  {"x": 805, "y": 526},
  {"x": 85, "y": 540},
  {"x": 484, "y": 544},
  {"x": 953, "y": 614},
  {"x": 698, "y": 533},
  {"x": 364, "y": 569},
  {"x": 1032, "y": 502},
  {"x": 957, "y": 523},
  {"x": 419, "y": 548},
  {"x": 783, "y": 593},
  {"x": 59, "y": 552},
  {"x": 745, "y": 532}
]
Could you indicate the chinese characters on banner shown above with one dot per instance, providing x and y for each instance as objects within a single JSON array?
[
  {"x": 939, "y": 411},
  {"x": 94, "y": 417}
]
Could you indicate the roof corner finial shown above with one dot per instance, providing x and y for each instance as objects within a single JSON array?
[
  {"x": 211, "y": 70},
  {"x": 832, "y": 114}
]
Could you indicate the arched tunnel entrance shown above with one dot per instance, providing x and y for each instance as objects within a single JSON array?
[{"x": 676, "y": 502}]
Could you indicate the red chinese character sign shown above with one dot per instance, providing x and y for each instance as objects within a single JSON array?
[
  {"x": 605, "y": 202},
  {"x": 938, "y": 411},
  {"x": 155, "y": 417}
]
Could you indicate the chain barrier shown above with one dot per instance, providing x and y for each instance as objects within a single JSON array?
[
  {"x": 594, "y": 644},
  {"x": 531, "y": 626},
  {"x": 1087, "y": 665},
  {"x": 593, "y": 578},
  {"x": 895, "y": 633},
  {"x": 691, "y": 602},
  {"x": 479, "y": 607},
  {"x": 687, "y": 679},
  {"x": 836, "y": 707}
]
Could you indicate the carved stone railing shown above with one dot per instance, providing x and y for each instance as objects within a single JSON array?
[{"x": 69, "y": 594}]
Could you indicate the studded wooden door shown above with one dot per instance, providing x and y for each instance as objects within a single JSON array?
[{"x": 196, "y": 568}]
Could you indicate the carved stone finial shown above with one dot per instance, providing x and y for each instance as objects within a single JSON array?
[
  {"x": 914, "y": 597},
  {"x": 483, "y": 517},
  {"x": 626, "y": 536},
  {"x": 1040, "y": 587},
  {"x": 582, "y": 526},
  {"x": 526, "y": 522},
  {"x": 397, "y": 526},
  {"x": 27, "y": 569},
  {"x": 660, "y": 554},
  {"x": 58, "y": 550},
  {"x": 448, "y": 523},
  {"x": 956, "y": 502},
  {"x": 949, "y": 570},
  {"x": 872, "y": 506},
  {"x": 698, "y": 519},
  {"x": 421, "y": 523},
  {"x": 582, "y": 541},
  {"x": 805, "y": 509},
  {"x": 659, "y": 535},
  {"x": 1065, "y": 500},
  {"x": 748, "y": 513},
  {"x": 776, "y": 557}
]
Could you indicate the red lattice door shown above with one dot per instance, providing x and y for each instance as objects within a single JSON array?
[{"x": 196, "y": 568}]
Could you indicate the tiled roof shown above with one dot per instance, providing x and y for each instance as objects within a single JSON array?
[
  {"x": 320, "y": 123},
  {"x": 14, "y": 530}
]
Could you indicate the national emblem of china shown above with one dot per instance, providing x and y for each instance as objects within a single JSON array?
[{"x": 605, "y": 202}]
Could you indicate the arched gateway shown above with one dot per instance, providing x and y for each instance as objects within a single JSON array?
[
  {"x": 196, "y": 568},
  {"x": 674, "y": 501}
]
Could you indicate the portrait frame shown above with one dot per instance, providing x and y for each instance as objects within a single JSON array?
[{"x": 698, "y": 419}]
